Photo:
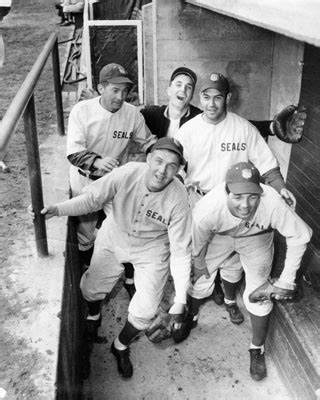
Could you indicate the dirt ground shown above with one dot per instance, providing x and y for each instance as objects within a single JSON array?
[{"x": 25, "y": 31}]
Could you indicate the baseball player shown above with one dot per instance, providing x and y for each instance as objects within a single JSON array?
[
  {"x": 99, "y": 133},
  {"x": 239, "y": 215},
  {"x": 166, "y": 120},
  {"x": 212, "y": 142},
  {"x": 149, "y": 223}
]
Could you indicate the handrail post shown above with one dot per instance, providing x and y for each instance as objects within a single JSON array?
[
  {"x": 57, "y": 87},
  {"x": 30, "y": 131}
]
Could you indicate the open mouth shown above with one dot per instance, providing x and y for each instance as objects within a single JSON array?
[{"x": 181, "y": 98}]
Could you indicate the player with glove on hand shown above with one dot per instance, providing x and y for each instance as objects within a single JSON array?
[
  {"x": 149, "y": 225},
  {"x": 239, "y": 216}
]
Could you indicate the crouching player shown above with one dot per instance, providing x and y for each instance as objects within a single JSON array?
[{"x": 240, "y": 216}]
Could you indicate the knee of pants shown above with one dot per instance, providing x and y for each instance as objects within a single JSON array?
[
  {"x": 88, "y": 291},
  {"x": 259, "y": 309},
  {"x": 231, "y": 276},
  {"x": 203, "y": 287},
  {"x": 139, "y": 323},
  {"x": 141, "y": 311}
]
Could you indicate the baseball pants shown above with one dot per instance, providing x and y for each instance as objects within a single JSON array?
[
  {"x": 256, "y": 255},
  {"x": 151, "y": 269}
]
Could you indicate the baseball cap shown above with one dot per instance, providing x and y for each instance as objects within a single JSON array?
[
  {"x": 171, "y": 144},
  {"x": 184, "y": 71},
  {"x": 114, "y": 73},
  {"x": 216, "y": 81},
  {"x": 243, "y": 178}
]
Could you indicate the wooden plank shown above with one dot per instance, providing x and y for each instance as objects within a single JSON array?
[{"x": 310, "y": 166}]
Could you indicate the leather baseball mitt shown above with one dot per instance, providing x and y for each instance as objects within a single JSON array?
[
  {"x": 162, "y": 326},
  {"x": 288, "y": 124},
  {"x": 267, "y": 291}
]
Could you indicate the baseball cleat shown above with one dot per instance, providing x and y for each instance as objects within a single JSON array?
[
  {"x": 258, "y": 369},
  {"x": 124, "y": 364},
  {"x": 236, "y": 316}
]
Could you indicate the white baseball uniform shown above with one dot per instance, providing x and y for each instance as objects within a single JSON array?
[
  {"x": 144, "y": 228},
  {"x": 92, "y": 128},
  {"x": 211, "y": 149},
  {"x": 252, "y": 240}
]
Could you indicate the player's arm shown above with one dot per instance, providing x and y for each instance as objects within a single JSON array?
[
  {"x": 297, "y": 234},
  {"x": 201, "y": 235},
  {"x": 142, "y": 134},
  {"x": 77, "y": 152},
  {"x": 262, "y": 157},
  {"x": 179, "y": 232},
  {"x": 287, "y": 125}
]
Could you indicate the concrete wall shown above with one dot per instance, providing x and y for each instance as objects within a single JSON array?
[{"x": 208, "y": 42}]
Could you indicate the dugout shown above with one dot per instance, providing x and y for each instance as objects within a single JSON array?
[
  {"x": 271, "y": 55},
  {"x": 271, "y": 61}
]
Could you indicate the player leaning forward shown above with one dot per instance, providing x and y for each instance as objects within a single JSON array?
[
  {"x": 212, "y": 142},
  {"x": 149, "y": 223},
  {"x": 239, "y": 215}
]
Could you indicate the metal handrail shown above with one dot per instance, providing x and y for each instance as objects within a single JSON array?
[{"x": 23, "y": 105}]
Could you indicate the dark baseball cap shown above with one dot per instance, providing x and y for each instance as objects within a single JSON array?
[
  {"x": 216, "y": 81},
  {"x": 114, "y": 73},
  {"x": 184, "y": 71},
  {"x": 170, "y": 144},
  {"x": 243, "y": 178}
]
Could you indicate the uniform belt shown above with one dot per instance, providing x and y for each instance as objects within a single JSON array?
[{"x": 90, "y": 176}]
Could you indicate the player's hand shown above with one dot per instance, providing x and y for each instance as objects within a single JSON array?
[
  {"x": 47, "y": 211},
  {"x": 288, "y": 198},
  {"x": 269, "y": 291},
  {"x": 31, "y": 213},
  {"x": 50, "y": 211},
  {"x": 88, "y": 94},
  {"x": 196, "y": 273},
  {"x": 106, "y": 164}
]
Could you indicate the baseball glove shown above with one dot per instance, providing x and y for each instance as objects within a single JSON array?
[
  {"x": 162, "y": 326},
  {"x": 267, "y": 291},
  {"x": 288, "y": 124}
]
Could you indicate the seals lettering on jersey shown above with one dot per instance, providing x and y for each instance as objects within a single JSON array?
[
  {"x": 253, "y": 224},
  {"x": 122, "y": 135},
  {"x": 156, "y": 216},
  {"x": 233, "y": 146}
]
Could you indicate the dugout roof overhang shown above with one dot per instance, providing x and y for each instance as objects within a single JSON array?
[{"x": 298, "y": 19}]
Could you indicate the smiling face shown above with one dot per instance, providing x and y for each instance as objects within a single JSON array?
[
  {"x": 180, "y": 91},
  {"x": 244, "y": 205},
  {"x": 163, "y": 166},
  {"x": 113, "y": 95},
  {"x": 214, "y": 105}
]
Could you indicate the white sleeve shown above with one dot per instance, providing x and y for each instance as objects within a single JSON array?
[
  {"x": 259, "y": 152},
  {"x": 76, "y": 136},
  {"x": 202, "y": 232},
  {"x": 297, "y": 234},
  {"x": 180, "y": 249}
]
